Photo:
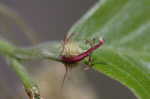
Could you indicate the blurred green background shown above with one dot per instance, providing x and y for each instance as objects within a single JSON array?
[{"x": 50, "y": 20}]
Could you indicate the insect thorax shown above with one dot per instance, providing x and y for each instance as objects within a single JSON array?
[{"x": 71, "y": 49}]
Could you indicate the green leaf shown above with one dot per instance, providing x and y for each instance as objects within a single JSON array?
[{"x": 125, "y": 26}]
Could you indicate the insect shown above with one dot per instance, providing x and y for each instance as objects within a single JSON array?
[
  {"x": 75, "y": 59},
  {"x": 72, "y": 54}
]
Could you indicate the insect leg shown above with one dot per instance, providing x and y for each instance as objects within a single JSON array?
[
  {"x": 68, "y": 68},
  {"x": 65, "y": 75}
]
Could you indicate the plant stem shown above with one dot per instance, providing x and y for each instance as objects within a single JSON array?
[
  {"x": 6, "y": 48},
  {"x": 15, "y": 55},
  {"x": 31, "y": 88},
  {"x": 26, "y": 53}
]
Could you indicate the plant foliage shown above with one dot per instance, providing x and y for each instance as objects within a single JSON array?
[{"x": 125, "y": 25}]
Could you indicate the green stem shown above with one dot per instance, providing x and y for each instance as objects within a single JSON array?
[
  {"x": 34, "y": 53},
  {"x": 6, "y": 48},
  {"x": 15, "y": 55},
  {"x": 31, "y": 88},
  {"x": 26, "y": 53}
]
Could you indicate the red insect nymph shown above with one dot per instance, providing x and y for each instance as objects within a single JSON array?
[{"x": 77, "y": 58}]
